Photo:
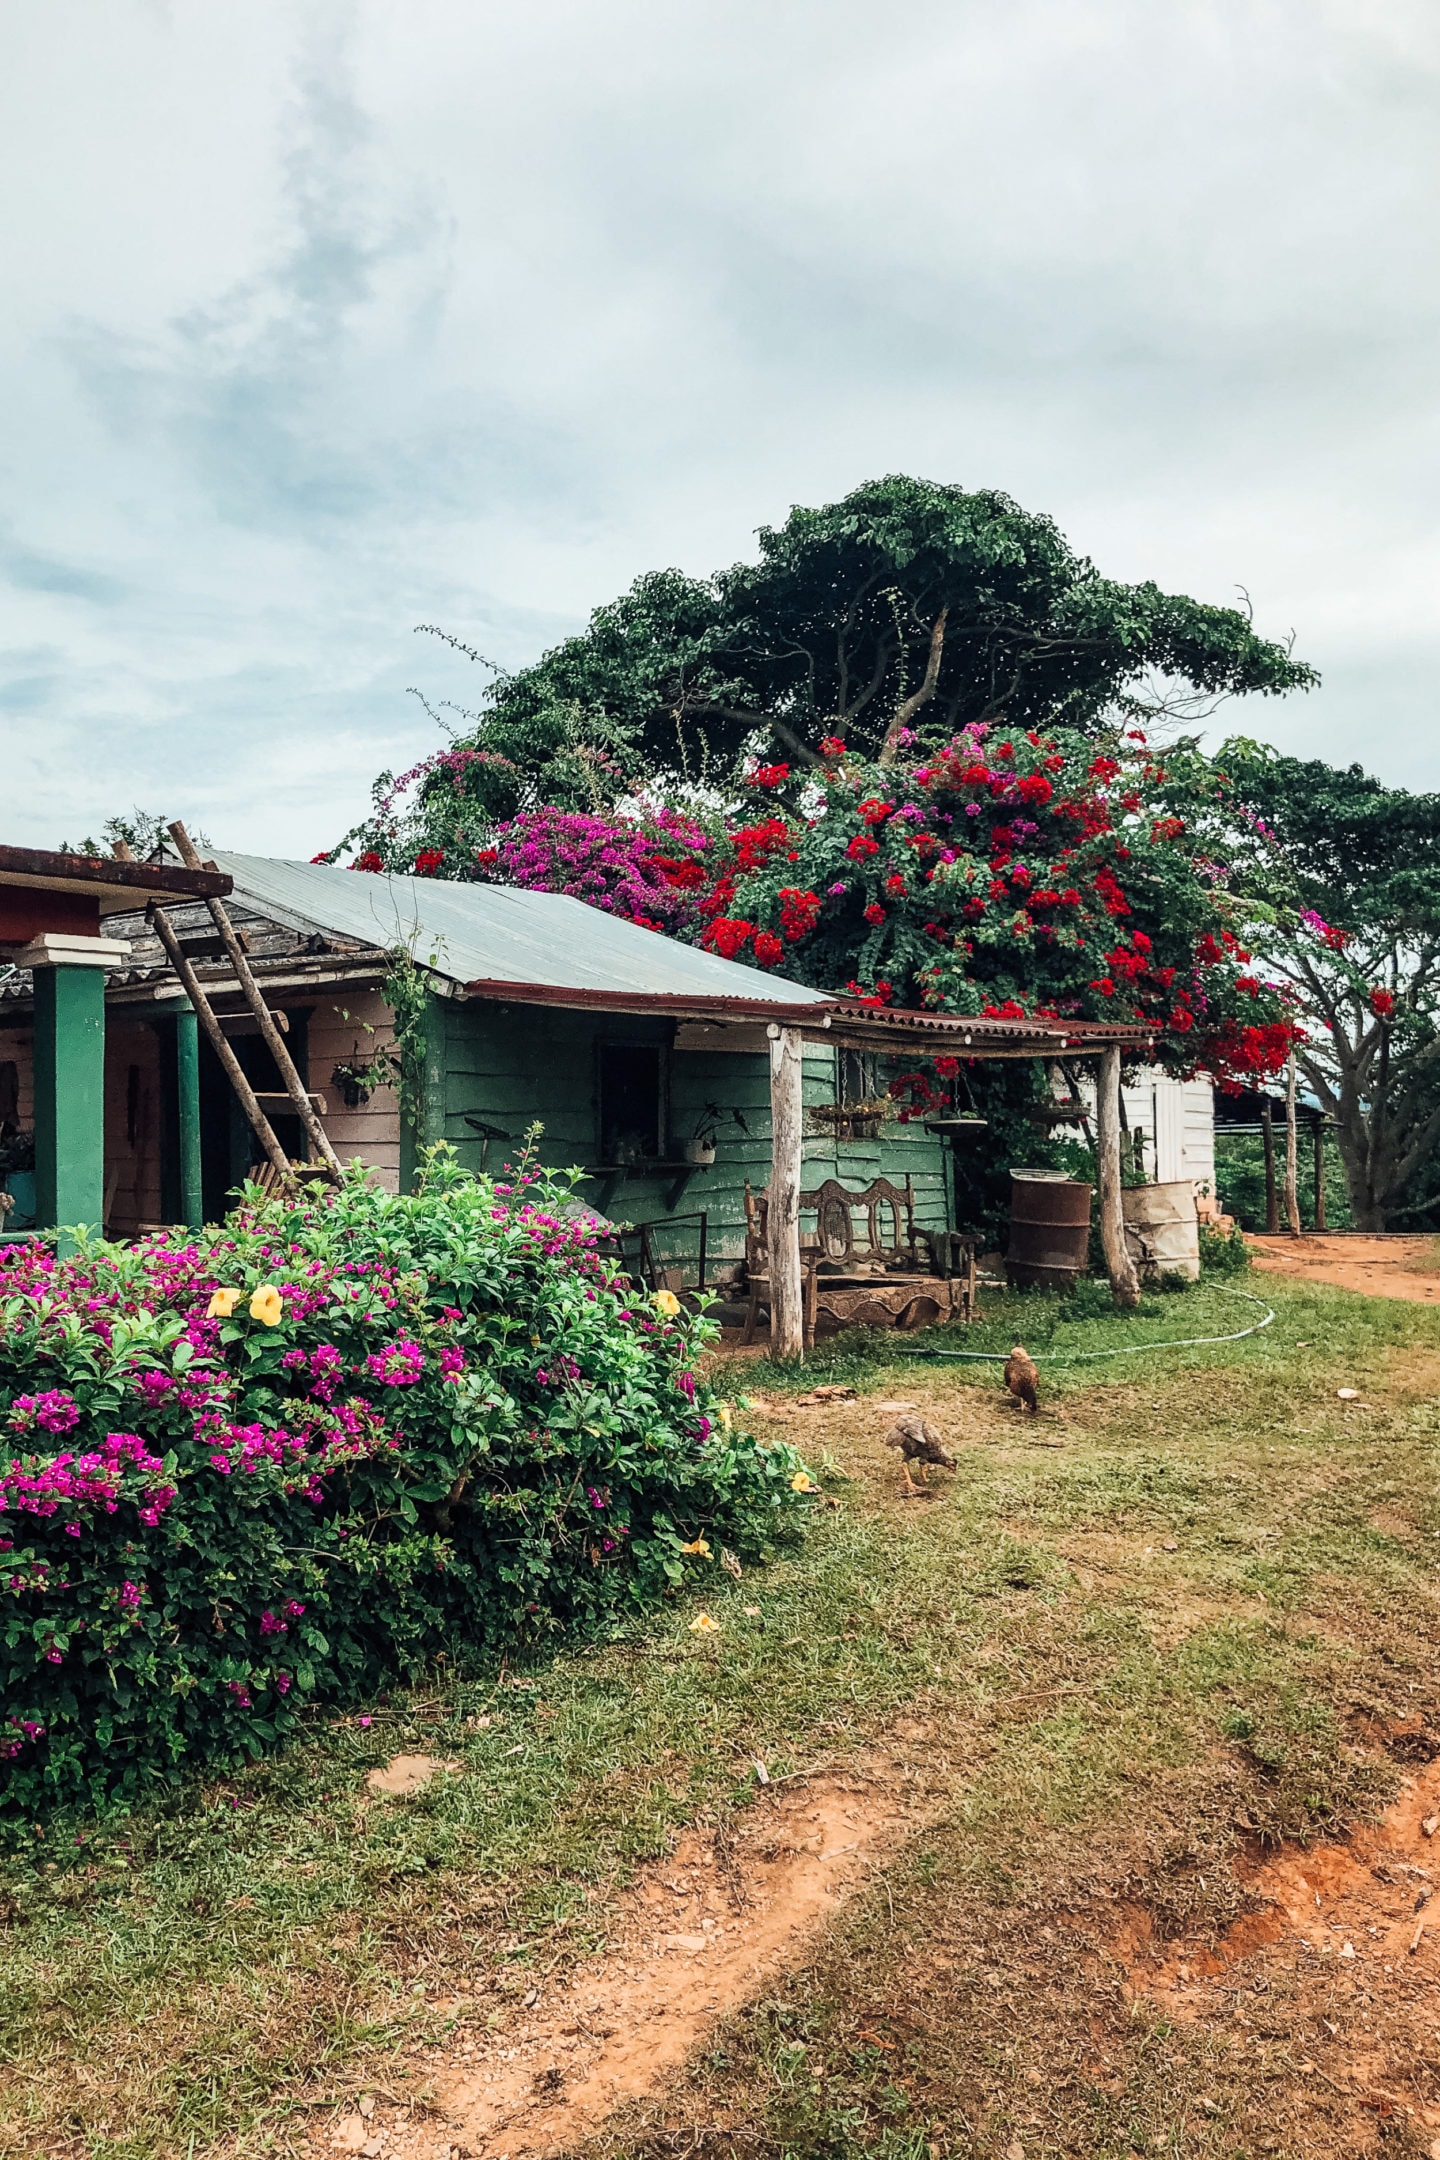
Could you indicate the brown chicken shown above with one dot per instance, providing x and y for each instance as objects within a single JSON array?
[
  {"x": 1022, "y": 1377},
  {"x": 919, "y": 1443}
]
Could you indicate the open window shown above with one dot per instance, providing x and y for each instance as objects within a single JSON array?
[{"x": 632, "y": 1102}]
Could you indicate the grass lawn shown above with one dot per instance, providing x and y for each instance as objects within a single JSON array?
[{"x": 1178, "y": 1615}]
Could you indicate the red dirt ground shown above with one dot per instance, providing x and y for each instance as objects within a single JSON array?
[{"x": 1396, "y": 1267}]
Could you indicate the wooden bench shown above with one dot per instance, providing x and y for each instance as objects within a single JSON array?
[{"x": 889, "y": 1275}]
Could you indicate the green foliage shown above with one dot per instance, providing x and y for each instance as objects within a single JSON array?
[
  {"x": 1340, "y": 877},
  {"x": 1223, "y": 1252},
  {"x": 1240, "y": 1180},
  {"x": 407, "y": 993},
  {"x": 906, "y": 603},
  {"x": 420, "y": 1426},
  {"x": 832, "y": 632}
]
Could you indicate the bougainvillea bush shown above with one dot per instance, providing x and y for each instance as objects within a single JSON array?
[
  {"x": 1017, "y": 874},
  {"x": 298, "y": 1456}
]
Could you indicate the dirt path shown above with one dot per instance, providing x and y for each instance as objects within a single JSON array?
[
  {"x": 693, "y": 1939},
  {"x": 1396, "y": 1267},
  {"x": 1333, "y": 1976}
]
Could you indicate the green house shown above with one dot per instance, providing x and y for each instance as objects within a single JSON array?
[
  {"x": 670, "y": 1078},
  {"x": 625, "y": 1046}
]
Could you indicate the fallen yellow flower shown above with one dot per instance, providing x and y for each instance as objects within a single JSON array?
[
  {"x": 702, "y": 1624},
  {"x": 222, "y": 1304},
  {"x": 727, "y": 1417},
  {"x": 267, "y": 1305},
  {"x": 803, "y": 1482},
  {"x": 697, "y": 1545},
  {"x": 666, "y": 1301}
]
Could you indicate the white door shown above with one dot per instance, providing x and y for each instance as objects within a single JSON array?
[{"x": 1169, "y": 1131}]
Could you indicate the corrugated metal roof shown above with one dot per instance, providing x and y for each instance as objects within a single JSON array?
[
  {"x": 982, "y": 1028},
  {"x": 539, "y": 947}
]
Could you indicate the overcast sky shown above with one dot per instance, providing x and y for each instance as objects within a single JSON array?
[{"x": 324, "y": 320}]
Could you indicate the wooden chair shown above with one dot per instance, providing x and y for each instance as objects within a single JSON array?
[
  {"x": 889, "y": 1256},
  {"x": 757, "y": 1266}
]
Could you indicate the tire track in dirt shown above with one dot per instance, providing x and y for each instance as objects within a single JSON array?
[{"x": 694, "y": 1938}]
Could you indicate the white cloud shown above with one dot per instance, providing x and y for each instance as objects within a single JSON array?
[{"x": 326, "y": 320}]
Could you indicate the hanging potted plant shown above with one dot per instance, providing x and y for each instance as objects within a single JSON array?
[
  {"x": 357, "y": 1078},
  {"x": 700, "y": 1147},
  {"x": 853, "y": 1120}
]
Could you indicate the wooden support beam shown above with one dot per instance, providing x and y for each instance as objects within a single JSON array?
[
  {"x": 1272, "y": 1197},
  {"x": 1320, "y": 1173},
  {"x": 274, "y": 1041},
  {"x": 1124, "y": 1281},
  {"x": 1292, "y": 1153},
  {"x": 787, "y": 1113}
]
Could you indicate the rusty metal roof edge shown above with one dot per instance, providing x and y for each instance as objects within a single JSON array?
[
  {"x": 991, "y": 1027},
  {"x": 666, "y": 1002},
  {"x": 50, "y": 868}
]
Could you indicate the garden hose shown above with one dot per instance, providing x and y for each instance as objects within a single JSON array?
[{"x": 1086, "y": 1357}]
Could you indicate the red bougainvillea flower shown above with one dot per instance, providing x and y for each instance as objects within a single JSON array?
[
  {"x": 862, "y": 845},
  {"x": 769, "y": 776},
  {"x": 874, "y": 913},
  {"x": 767, "y": 948},
  {"x": 368, "y": 861},
  {"x": 1382, "y": 1003},
  {"x": 428, "y": 861}
]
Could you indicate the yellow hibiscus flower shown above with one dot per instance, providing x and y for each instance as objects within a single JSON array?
[
  {"x": 803, "y": 1482},
  {"x": 666, "y": 1301},
  {"x": 222, "y": 1304},
  {"x": 702, "y": 1624},
  {"x": 697, "y": 1545},
  {"x": 267, "y": 1305}
]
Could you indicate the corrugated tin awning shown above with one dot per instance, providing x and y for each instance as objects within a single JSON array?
[
  {"x": 497, "y": 941},
  {"x": 976, "y": 1035}
]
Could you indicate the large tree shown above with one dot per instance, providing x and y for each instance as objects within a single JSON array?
[
  {"x": 1340, "y": 877},
  {"x": 889, "y": 620}
]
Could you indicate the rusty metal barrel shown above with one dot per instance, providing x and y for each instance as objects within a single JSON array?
[
  {"x": 1049, "y": 1230},
  {"x": 1162, "y": 1229}
]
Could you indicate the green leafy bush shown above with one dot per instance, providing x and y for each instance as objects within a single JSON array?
[
  {"x": 1223, "y": 1252},
  {"x": 299, "y": 1455}
]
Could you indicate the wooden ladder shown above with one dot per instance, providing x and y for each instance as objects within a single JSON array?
[{"x": 280, "y": 1173}]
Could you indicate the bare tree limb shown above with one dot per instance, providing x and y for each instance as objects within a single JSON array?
[{"x": 889, "y": 749}]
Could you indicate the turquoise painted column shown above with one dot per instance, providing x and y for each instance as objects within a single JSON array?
[
  {"x": 69, "y": 1096},
  {"x": 187, "y": 1098}
]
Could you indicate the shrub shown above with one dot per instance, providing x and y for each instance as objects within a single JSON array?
[
  {"x": 312, "y": 1450},
  {"x": 1223, "y": 1252}
]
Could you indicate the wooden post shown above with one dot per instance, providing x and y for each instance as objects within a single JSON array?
[
  {"x": 787, "y": 1313},
  {"x": 1320, "y": 1173},
  {"x": 1272, "y": 1198},
  {"x": 274, "y": 1041},
  {"x": 1124, "y": 1281},
  {"x": 1292, "y": 1153}
]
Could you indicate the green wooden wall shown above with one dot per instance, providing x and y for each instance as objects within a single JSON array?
[{"x": 511, "y": 1065}]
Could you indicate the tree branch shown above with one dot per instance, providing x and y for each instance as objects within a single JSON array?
[{"x": 891, "y": 745}]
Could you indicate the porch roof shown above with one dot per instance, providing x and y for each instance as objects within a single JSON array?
[
  {"x": 502, "y": 942},
  {"x": 976, "y": 1035},
  {"x": 42, "y": 889}
]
